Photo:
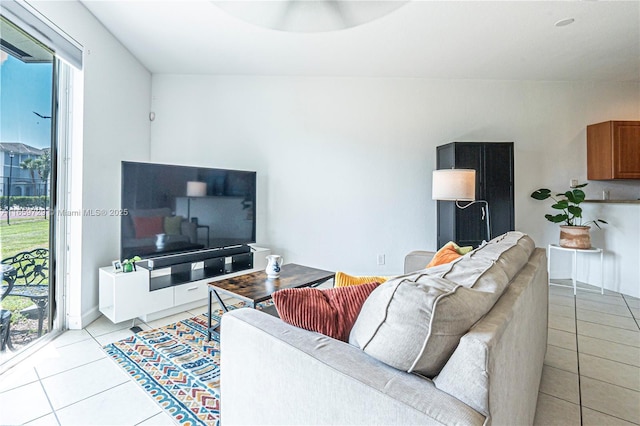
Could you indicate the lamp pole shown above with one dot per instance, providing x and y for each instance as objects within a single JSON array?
[{"x": 11, "y": 155}]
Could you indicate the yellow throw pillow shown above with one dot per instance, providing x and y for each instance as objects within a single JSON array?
[
  {"x": 446, "y": 254},
  {"x": 345, "y": 280},
  {"x": 462, "y": 250},
  {"x": 172, "y": 225}
]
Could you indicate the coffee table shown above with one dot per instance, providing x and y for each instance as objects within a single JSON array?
[{"x": 255, "y": 287}]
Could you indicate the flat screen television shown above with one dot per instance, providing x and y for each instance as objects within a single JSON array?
[{"x": 170, "y": 209}]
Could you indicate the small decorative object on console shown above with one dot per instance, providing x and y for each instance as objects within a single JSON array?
[
  {"x": 129, "y": 265},
  {"x": 160, "y": 240},
  {"x": 273, "y": 266}
]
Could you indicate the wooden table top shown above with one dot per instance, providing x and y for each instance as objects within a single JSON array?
[{"x": 256, "y": 287}]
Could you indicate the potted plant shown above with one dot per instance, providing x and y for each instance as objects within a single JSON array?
[
  {"x": 573, "y": 233},
  {"x": 129, "y": 265}
]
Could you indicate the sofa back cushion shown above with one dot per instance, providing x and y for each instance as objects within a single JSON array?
[{"x": 414, "y": 322}]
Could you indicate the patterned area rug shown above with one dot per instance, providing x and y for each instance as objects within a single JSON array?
[{"x": 178, "y": 367}]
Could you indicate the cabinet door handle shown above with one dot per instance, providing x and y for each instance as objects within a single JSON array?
[{"x": 192, "y": 288}]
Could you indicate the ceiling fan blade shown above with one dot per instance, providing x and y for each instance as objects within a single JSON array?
[{"x": 309, "y": 16}]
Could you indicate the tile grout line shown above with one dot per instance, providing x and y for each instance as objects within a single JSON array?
[
  {"x": 632, "y": 316},
  {"x": 148, "y": 418},
  {"x": 598, "y": 312},
  {"x": 575, "y": 307},
  {"x": 611, "y": 415},
  {"x": 608, "y": 325},
  {"x": 94, "y": 395},
  {"x": 607, "y": 313},
  {"x": 613, "y": 384},
  {"x": 69, "y": 369},
  {"x": 47, "y": 396},
  {"x": 612, "y": 360},
  {"x": 557, "y": 397}
]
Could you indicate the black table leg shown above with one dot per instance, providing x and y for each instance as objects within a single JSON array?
[
  {"x": 210, "y": 327},
  {"x": 222, "y": 305},
  {"x": 209, "y": 321}
]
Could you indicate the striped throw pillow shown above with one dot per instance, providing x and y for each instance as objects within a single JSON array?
[{"x": 331, "y": 312}]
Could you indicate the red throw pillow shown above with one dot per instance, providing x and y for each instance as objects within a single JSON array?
[
  {"x": 148, "y": 226},
  {"x": 331, "y": 311}
]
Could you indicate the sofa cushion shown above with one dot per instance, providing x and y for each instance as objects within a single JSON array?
[
  {"x": 148, "y": 226},
  {"x": 331, "y": 312},
  {"x": 414, "y": 322},
  {"x": 172, "y": 225},
  {"x": 345, "y": 280}
]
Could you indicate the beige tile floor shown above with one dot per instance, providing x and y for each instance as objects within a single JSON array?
[{"x": 591, "y": 374}]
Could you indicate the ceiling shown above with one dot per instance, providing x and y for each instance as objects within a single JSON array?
[{"x": 505, "y": 40}]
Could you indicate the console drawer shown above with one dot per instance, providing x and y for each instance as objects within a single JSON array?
[{"x": 190, "y": 292}]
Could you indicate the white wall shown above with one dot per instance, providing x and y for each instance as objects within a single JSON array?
[
  {"x": 115, "y": 127},
  {"x": 344, "y": 164}
]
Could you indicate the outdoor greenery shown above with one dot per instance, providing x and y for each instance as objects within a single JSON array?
[
  {"x": 26, "y": 202},
  {"x": 16, "y": 304},
  {"x": 24, "y": 234},
  {"x": 40, "y": 165}
]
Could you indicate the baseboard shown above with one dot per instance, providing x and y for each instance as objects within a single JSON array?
[{"x": 75, "y": 322}]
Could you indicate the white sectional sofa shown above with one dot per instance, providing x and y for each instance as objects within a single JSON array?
[{"x": 274, "y": 373}]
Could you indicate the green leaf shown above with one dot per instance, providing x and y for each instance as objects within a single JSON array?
[
  {"x": 578, "y": 196},
  {"x": 581, "y": 185},
  {"x": 560, "y": 205},
  {"x": 557, "y": 218},
  {"x": 575, "y": 210},
  {"x": 541, "y": 194}
]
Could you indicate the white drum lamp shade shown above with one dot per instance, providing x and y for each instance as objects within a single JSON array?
[
  {"x": 454, "y": 185},
  {"x": 196, "y": 189}
]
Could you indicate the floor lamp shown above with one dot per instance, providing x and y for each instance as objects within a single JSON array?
[{"x": 458, "y": 185}]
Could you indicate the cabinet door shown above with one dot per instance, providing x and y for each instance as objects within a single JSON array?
[
  {"x": 498, "y": 186},
  {"x": 626, "y": 148},
  {"x": 470, "y": 228},
  {"x": 446, "y": 217}
]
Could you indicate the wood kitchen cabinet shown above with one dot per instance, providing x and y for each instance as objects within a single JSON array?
[
  {"x": 494, "y": 166},
  {"x": 613, "y": 150}
]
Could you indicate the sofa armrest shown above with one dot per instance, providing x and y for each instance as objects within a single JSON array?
[
  {"x": 189, "y": 230},
  {"x": 274, "y": 373},
  {"x": 417, "y": 260},
  {"x": 497, "y": 366}
]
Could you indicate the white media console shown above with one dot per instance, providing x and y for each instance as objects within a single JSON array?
[{"x": 150, "y": 294}]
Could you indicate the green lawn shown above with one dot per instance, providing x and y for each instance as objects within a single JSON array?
[{"x": 23, "y": 235}]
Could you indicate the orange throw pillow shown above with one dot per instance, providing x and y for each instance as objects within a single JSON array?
[
  {"x": 331, "y": 311},
  {"x": 446, "y": 254}
]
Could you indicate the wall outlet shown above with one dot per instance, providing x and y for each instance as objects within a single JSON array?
[
  {"x": 573, "y": 183},
  {"x": 381, "y": 259}
]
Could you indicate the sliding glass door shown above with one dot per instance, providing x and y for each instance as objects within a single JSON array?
[{"x": 28, "y": 77}]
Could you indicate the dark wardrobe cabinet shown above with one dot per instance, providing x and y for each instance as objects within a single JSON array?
[{"x": 493, "y": 162}]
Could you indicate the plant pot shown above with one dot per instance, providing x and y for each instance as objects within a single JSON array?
[{"x": 575, "y": 237}]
